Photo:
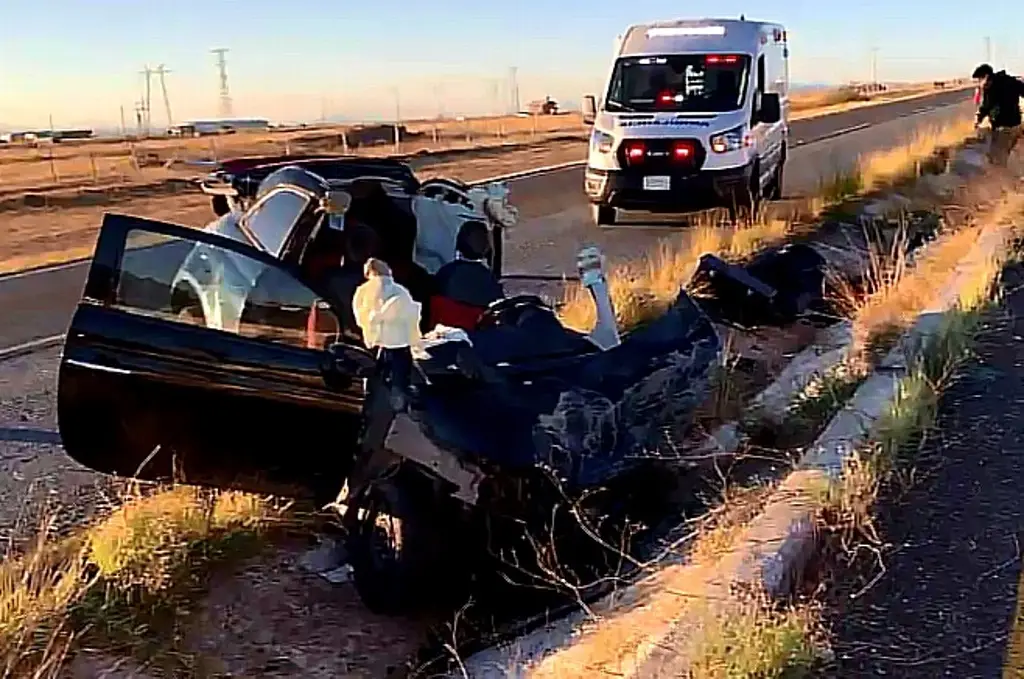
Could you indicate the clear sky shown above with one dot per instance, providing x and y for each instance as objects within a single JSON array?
[{"x": 79, "y": 60}]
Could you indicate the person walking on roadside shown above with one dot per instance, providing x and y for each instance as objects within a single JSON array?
[{"x": 1000, "y": 103}]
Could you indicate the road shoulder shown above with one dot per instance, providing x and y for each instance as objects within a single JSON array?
[{"x": 937, "y": 595}]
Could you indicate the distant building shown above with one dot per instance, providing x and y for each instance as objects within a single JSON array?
[
  {"x": 45, "y": 136},
  {"x": 198, "y": 128}
]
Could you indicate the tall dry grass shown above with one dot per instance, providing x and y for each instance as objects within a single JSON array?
[
  {"x": 884, "y": 167},
  {"x": 644, "y": 288},
  {"x": 898, "y": 293},
  {"x": 113, "y": 579}
]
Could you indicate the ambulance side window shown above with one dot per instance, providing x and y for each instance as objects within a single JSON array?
[{"x": 759, "y": 89}]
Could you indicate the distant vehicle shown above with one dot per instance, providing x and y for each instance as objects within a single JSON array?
[
  {"x": 222, "y": 357},
  {"x": 544, "y": 107},
  {"x": 695, "y": 114}
]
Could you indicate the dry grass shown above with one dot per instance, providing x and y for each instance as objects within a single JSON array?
[
  {"x": 809, "y": 101},
  {"x": 123, "y": 578},
  {"x": 642, "y": 289},
  {"x": 757, "y": 639},
  {"x": 839, "y": 100},
  {"x": 885, "y": 167},
  {"x": 898, "y": 294}
]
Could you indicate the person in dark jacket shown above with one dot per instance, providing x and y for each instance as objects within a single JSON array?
[{"x": 1000, "y": 103}]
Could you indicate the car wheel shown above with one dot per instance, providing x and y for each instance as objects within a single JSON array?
[
  {"x": 396, "y": 549},
  {"x": 603, "y": 215}
]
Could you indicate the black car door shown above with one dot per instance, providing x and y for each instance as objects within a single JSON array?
[{"x": 235, "y": 393}]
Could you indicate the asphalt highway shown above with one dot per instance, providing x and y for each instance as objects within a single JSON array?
[{"x": 554, "y": 219}]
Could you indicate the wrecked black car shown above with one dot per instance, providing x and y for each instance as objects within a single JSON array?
[{"x": 238, "y": 357}]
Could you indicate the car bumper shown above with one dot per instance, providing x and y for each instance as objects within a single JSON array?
[{"x": 704, "y": 189}]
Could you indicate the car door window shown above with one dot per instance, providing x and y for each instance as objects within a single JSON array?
[
  {"x": 185, "y": 282},
  {"x": 271, "y": 220}
]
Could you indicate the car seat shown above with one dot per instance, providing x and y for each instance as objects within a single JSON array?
[
  {"x": 464, "y": 287},
  {"x": 326, "y": 251}
]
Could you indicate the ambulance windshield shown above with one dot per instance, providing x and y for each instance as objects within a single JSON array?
[{"x": 712, "y": 83}]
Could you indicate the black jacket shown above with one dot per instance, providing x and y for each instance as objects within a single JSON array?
[{"x": 999, "y": 100}]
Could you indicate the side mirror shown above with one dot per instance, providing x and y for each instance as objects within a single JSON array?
[
  {"x": 770, "y": 110},
  {"x": 589, "y": 109}
]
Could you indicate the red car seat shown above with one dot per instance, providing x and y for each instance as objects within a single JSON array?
[{"x": 464, "y": 288}]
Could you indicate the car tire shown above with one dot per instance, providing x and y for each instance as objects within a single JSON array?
[
  {"x": 603, "y": 215},
  {"x": 397, "y": 550}
]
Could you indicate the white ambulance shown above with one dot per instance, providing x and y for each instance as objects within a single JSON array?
[{"x": 695, "y": 115}]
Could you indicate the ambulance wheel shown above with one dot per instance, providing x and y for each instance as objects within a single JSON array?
[
  {"x": 775, "y": 188},
  {"x": 603, "y": 215},
  {"x": 754, "y": 192}
]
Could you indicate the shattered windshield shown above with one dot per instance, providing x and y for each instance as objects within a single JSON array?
[{"x": 711, "y": 83}]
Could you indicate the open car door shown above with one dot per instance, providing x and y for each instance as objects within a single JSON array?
[{"x": 148, "y": 390}]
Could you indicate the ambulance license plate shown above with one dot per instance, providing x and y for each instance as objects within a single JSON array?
[{"x": 657, "y": 183}]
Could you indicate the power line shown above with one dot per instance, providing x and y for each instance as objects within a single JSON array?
[
  {"x": 222, "y": 73},
  {"x": 161, "y": 71},
  {"x": 514, "y": 89},
  {"x": 147, "y": 82}
]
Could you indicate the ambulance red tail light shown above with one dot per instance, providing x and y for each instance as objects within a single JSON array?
[
  {"x": 635, "y": 152},
  {"x": 683, "y": 152}
]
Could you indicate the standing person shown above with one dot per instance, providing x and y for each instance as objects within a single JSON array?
[{"x": 1000, "y": 95}]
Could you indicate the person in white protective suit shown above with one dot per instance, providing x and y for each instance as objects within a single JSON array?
[
  {"x": 389, "y": 319},
  {"x": 385, "y": 312}
]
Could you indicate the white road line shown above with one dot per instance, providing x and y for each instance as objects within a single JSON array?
[
  {"x": 522, "y": 174},
  {"x": 848, "y": 130},
  {"x": 31, "y": 347}
]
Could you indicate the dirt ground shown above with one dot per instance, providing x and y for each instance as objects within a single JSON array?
[
  {"x": 98, "y": 164},
  {"x": 66, "y": 229}
]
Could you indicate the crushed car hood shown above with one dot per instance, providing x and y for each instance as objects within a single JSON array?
[{"x": 586, "y": 417}]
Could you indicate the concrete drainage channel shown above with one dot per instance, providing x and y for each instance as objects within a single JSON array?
[{"x": 781, "y": 539}]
